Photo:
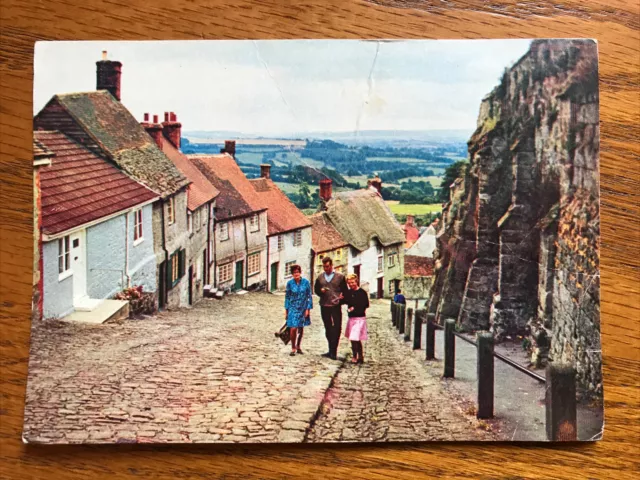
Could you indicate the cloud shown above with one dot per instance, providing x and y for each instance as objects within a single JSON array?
[{"x": 279, "y": 87}]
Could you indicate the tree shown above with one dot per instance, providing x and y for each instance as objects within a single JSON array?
[
  {"x": 453, "y": 172},
  {"x": 304, "y": 195}
]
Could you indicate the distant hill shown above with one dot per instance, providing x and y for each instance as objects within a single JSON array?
[{"x": 399, "y": 138}]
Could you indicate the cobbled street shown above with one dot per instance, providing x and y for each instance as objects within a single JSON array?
[{"x": 216, "y": 373}]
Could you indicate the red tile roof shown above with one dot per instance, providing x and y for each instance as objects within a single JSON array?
[
  {"x": 415, "y": 266},
  {"x": 40, "y": 151},
  {"x": 201, "y": 190},
  {"x": 80, "y": 187},
  {"x": 324, "y": 236},
  {"x": 98, "y": 120},
  {"x": 282, "y": 215},
  {"x": 237, "y": 196}
]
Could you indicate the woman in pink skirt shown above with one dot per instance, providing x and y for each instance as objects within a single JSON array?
[{"x": 357, "y": 302}]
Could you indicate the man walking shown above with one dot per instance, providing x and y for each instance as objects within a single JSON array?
[{"x": 331, "y": 287}]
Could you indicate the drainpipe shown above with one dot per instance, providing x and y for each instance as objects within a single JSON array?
[
  {"x": 246, "y": 253},
  {"x": 166, "y": 255},
  {"x": 126, "y": 249},
  {"x": 268, "y": 286},
  {"x": 215, "y": 260}
]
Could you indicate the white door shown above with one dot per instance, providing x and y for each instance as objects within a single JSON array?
[{"x": 79, "y": 265}]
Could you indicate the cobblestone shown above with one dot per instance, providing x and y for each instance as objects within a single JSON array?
[
  {"x": 215, "y": 373},
  {"x": 391, "y": 397}
]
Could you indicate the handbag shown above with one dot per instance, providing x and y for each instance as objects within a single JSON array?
[{"x": 284, "y": 334}]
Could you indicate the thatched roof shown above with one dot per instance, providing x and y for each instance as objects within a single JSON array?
[{"x": 362, "y": 215}]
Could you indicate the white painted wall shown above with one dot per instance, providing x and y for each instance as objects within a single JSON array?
[{"x": 300, "y": 254}]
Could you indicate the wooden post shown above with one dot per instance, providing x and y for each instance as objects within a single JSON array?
[
  {"x": 560, "y": 400},
  {"x": 485, "y": 375},
  {"x": 394, "y": 309},
  {"x": 407, "y": 324},
  {"x": 417, "y": 329},
  {"x": 449, "y": 348},
  {"x": 401, "y": 319},
  {"x": 431, "y": 336}
]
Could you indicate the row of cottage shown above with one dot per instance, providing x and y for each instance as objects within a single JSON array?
[{"x": 117, "y": 205}]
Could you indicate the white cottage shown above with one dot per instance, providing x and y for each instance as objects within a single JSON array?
[{"x": 288, "y": 232}]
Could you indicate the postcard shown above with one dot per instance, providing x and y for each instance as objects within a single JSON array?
[{"x": 312, "y": 241}]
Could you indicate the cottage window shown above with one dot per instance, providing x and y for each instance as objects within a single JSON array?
[
  {"x": 64, "y": 257},
  {"x": 224, "y": 231},
  {"x": 171, "y": 211},
  {"x": 380, "y": 264},
  {"x": 254, "y": 223},
  {"x": 225, "y": 272},
  {"x": 392, "y": 259},
  {"x": 338, "y": 255},
  {"x": 280, "y": 242},
  {"x": 175, "y": 267},
  {"x": 319, "y": 259},
  {"x": 189, "y": 222},
  {"x": 137, "y": 226},
  {"x": 287, "y": 269},
  {"x": 297, "y": 238},
  {"x": 253, "y": 264}
]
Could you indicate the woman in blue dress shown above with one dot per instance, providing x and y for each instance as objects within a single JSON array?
[{"x": 298, "y": 303}]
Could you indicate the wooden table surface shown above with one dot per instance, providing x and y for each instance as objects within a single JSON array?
[{"x": 614, "y": 23}]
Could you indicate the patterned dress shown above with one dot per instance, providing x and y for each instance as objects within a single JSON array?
[{"x": 298, "y": 299}]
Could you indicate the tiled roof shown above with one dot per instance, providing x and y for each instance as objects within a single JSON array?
[
  {"x": 324, "y": 236},
  {"x": 361, "y": 215},
  {"x": 80, "y": 187},
  {"x": 282, "y": 214},
  {"x": 237, "y": 196},
  {"x": 415, "y": 266},
  {"x": 40, "y": 151},
  {"x": 201, "y": 190},
  {"x": 118, "y": 134}
]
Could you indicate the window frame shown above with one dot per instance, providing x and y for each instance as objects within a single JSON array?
[
  {"x": 222, "y": 268},
  {"x": 138, "y": 221},
  {"x": 252, "y": 262},
  {"x": 224, "y": 227},
  {"x": 64, "y": 255},
  {"x": 171, "y": 211},
  {"x": 380, "y": 263},
  {"x": 190, "y": 223},
  {"x": 254, "y": 223},
  {"x": 280, "y": 243},
  {"x": 297, "y": 238},
  {"x": 287, "y": 269}
]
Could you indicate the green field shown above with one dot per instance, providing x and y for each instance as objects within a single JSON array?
[
  {"x": 417, "y": 209},
  {"x": 397, "y": 159}
]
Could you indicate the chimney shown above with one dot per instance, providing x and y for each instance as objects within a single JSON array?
[
  {"x": 154, "y": 129},
  {"x": 325, "y": 189},
  {"x": 376, "y": 183},
  {"x": 108, "y": 76},
  {"x": 265, "y": 170},
  {"x": 230, "y": 147},
  {"x": 410, "y": 219},
  {"x": 172, "y": 128}
]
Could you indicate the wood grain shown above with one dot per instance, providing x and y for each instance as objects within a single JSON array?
[{"x": 615, "y": 23}]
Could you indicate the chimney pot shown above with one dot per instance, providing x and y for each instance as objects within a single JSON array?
[
  {"x": 155, "y": 119},
  {"x": 265, "y": 170},
  {"x": 146, "y": 117},
  {"x": 325, "y": 189},
  {"x": 230, "y": 147},
  {"x": 108, "y": 75},
  {"x": 166, "y": 116}
]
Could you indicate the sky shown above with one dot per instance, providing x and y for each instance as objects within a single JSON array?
[{"x": 285, "y": 87}]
